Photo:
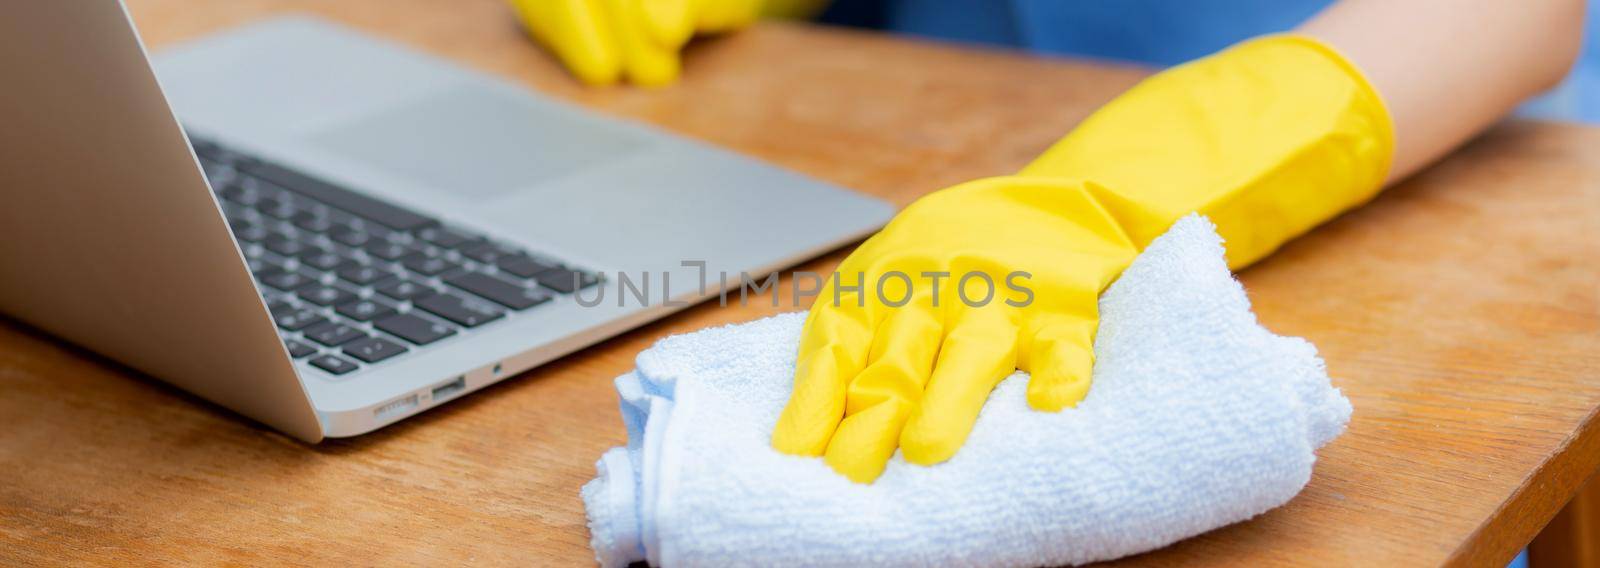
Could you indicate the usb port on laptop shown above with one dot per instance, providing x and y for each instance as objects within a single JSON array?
[{"x": 450, "y": 389}]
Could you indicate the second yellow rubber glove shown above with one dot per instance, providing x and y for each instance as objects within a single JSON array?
[
  {"x": 603, "y": 41},
  {"x": 1269, "y": 139}
]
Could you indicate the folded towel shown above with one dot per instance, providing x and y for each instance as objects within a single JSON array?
[{"x": 1198, "y": 418}]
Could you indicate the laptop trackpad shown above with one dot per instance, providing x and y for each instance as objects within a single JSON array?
[{"x": 477, "y": 143}]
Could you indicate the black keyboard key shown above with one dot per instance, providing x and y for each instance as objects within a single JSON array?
[
  {"x": 348, "y": 236},
  {"x": 390, "y": 250},
  {"x": 277, "y": 208},
  {"x": 523, "y": 266},
  {"x": 295, "y": 318},
  {"x": 487, "y": 252},
  {"x": 364, "y": 274},
  {"x": 313, "y": 222},
  {"x": 500, "y": 291},
  {"x": 377, "y": 231},
  {"x": 286, "y": 280},
  {"x": 333, "y": 364},
  {"x": 298, "y": 349},
  {"x": 265, "y": 191},
  {"x": 207, "y": 149},
  {"x": 265, "y": 266},
  {"x": 360, "y": 205},
  {"x": 415, "y": 329},
  {"x": 259, "y": 264},
  {"x": 565, "y": 280},
  {"x": 365, "y": 310},
  {"x": 283, "y": 244},
  {"x": 214, "y": 171},
  {"x": 333, "y": 333},
  {"x": 447, "y": 238},
  {"x": 373, "y": 349},
  {"x": 463, "y": 311},
  {"x": 324, "y": 259},
  {"x": 250, "y": 232},
  {"x": 406, "y": 290},
  {"x": 238, "y": 214},
  {"x": 326, "y": 295},
  {"x": 425, "y": 265},
  {"x": 240, "y": 194}
]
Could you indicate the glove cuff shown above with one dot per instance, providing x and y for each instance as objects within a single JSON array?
[{"x": 1268, "y": 138}]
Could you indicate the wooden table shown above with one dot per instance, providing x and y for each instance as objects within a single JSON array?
[{"x": 1459, "y": 313}]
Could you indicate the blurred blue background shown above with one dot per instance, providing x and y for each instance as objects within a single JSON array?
[{"x": 1158, "y": 32}]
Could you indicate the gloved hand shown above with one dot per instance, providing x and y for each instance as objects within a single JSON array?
[
  {"x": 1018, "y": 263},
  {"x": 1269, "y": 139},
  {"x": 601, "y": 41}
]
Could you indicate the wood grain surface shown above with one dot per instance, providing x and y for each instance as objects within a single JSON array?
[{"x": 1460, "y": 312}]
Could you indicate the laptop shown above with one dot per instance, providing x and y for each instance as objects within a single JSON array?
[{"x": 329, "y": 233}]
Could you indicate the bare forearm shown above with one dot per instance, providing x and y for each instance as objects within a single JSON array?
[{"x": 1447, "y": 69}]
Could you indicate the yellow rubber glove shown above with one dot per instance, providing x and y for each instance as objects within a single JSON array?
[
  {"x": 602, "y": 41},
  {"x": 1268, "y": 138}
]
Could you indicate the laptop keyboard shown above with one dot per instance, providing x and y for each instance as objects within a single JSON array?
[{"x": 353, "y": 280}]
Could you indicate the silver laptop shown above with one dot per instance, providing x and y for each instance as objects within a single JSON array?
[{"x": 329, "y": 233}]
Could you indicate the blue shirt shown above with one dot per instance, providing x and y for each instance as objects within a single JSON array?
[{"x": 1158, "y": 32}]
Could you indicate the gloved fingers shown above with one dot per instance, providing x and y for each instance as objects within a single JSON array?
[
  {"x": 644, "y": 61},
  {"x": 900, "y": 361},
  {"x": 864, "y": 442},
  {"x": 880, "y": 398},
  {"x": 978, "y": 352},
  {"x": 717, "y": 16},
  {"x": 833, "y": 348},
  {"x": 1060, "y": 364},
  {"x": 669, "y": 23},
  {"x": 580, "y": 34}
]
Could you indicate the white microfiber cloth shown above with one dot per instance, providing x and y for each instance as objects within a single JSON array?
[{"x": 1198, "y": 417}]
